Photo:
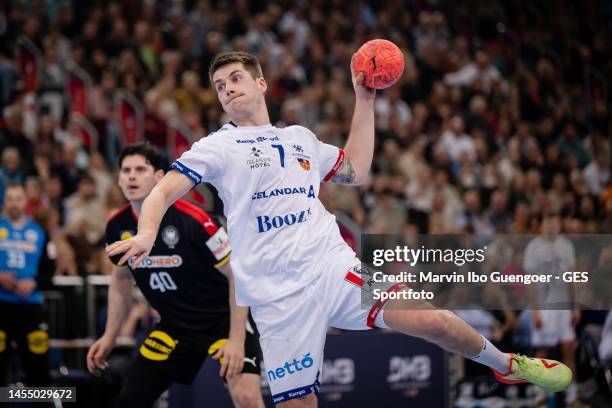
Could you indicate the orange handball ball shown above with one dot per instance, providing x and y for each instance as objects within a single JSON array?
[{"x": 381, "y": 62}]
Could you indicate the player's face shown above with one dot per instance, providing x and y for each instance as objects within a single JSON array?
[
  {"x": 137, "y": 177},
  {"x": 240, "y": 94},
  {"x": 15, "y": 203}
]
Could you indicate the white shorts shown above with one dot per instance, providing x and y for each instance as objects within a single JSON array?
[
  {"x": 556, "y": 328},
  {"x": 293, "y": 329}
]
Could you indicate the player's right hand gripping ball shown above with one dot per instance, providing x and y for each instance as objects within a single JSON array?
[{"x": 381, "y": 62}]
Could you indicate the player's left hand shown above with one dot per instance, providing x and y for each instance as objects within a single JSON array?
[
  {"x": 231, "y": 356},
  {"x": 361, "y": 91},
  {"x": 139, "y": 247},
  {"x": 25, "y": 287}
]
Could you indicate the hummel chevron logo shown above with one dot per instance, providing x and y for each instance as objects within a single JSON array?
[{"x": 548, "y": 365}]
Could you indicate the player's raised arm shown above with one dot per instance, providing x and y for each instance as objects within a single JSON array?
[
  {"x": 377, "y": 64},
  {"x": 173, "y": 186},
  {"x": 359, "y": 148}
]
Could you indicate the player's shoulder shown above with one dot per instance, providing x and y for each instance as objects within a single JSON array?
[
  {"x": 120, "y": 215},
  {"x": 298, "y": 134},
  {"x": 215, "y": 138},
  {"x": 31, "y": 224},
  {"x": 221, "y": 135},
  {"x": 299, "y": 129},
  {"x": 197, "y": 214}
]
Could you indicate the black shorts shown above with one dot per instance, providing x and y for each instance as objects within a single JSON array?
[
  {"x": 179, "y": 354},
  {"x": 23, "y": 324}
]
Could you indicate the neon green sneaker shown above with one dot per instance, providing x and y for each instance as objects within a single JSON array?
[{"x": 548, "y": 374}]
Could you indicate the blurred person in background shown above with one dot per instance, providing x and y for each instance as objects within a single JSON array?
[
  {"x": 12, "y": 135},
  {"x": 60, "y": 250},
  {"x": 69, "y": 167},
  {"x": 597, "y": 172},
  {"x": 25, "y": 267},
  {"x": 10, "y": 172},
  {"x": 554, "y": 316},
  {"x": 605, "y": 347},
  {"x": 34, "y": 196},
  {"x": 85, "y": 223},
  {"x": 187, "y": 279}
]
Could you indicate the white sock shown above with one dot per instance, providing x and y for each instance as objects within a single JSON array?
[{"x": 492, "y": 357}]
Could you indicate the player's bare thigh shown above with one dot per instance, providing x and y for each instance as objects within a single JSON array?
[{"x": 245, "y": 391}]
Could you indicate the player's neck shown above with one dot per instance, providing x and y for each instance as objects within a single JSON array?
[
  {"x": 17, "y": 222},
  {"x": 259, "y": 119}
]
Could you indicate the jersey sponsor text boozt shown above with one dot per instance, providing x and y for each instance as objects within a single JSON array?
[
  {"x": 276, "y": 192},
  {"x": 265, "y": 222}
]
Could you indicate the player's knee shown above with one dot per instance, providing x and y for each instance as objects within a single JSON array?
[{"x": 245, "y": 398}]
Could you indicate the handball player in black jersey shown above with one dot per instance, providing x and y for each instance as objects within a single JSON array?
[{"x": 187, "y": 279}]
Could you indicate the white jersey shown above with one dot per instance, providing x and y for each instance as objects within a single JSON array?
[{"x": 268, "y": 179}]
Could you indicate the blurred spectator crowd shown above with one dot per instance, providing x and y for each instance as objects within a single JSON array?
[{"x": 502, "y": 113}]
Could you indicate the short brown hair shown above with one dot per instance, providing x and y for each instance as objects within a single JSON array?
[
  {"x": 150, "y": 153},
  {"x": 249, "y": 61}
]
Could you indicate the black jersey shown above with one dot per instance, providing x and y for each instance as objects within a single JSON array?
[{"x": 179, "y": 277}]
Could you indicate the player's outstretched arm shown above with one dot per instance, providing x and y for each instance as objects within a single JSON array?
[
  {"x": 359, "y": 148},
  {"x": 173, "y": 186},
  {"x": 119, "y": 301}
]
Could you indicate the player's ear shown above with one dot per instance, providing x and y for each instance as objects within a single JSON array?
[
  {"x": 159, "y": 174},
  {"x": 262, "y": 84}
]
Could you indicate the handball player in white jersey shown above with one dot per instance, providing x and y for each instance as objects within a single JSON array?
[{"x": 290, "y": 263}]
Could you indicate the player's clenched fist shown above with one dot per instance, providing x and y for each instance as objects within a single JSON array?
[{"x": 139, "y": 246}]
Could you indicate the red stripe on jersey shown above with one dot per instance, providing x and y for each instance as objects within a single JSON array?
[
  {"x": 353, "y": 278},
  {"x": 199, "y": 214},
  {"x": 196, "y": 196},
  {"x": 380, "y": 304},
  {"x": 336, "y": 166},
  {"x": 116, "y": 213}
]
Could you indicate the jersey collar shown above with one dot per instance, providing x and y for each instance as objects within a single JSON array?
[{"x": 248, "y": 128}]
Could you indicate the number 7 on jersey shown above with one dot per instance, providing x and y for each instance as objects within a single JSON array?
[{"x": 281, "y": 153}]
